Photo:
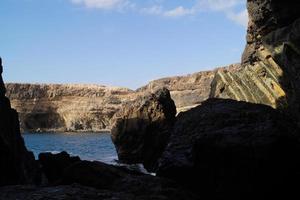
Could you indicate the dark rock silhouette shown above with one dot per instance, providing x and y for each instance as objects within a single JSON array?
[
  {"x": 141, "y": 130},
  {"x": 232, "y": 148},
  {"x": 54, "y": 165},
  {"x": 111, "y": 181},
  {"x": 17, "y": 165},
  {"x": 2, "y": 86}
]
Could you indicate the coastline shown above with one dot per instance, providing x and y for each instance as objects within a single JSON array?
[{"x": 103, "y": 131}]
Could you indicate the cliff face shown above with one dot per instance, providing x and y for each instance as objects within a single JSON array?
[
  {"x": 270, "y": 71},
  {"x": 66, "y": 107},
  {"x": 187, "y": 91},
  {"x": 237, "y": 149},
  {"x": 90, "y": 108}
]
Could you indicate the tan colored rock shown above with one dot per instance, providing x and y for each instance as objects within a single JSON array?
[
  {"x": 90, "y": 108},
  {"x": 270, "y": 71},
  {"x": 188, "y": 91},
  {"x": 72, "y": 108}
]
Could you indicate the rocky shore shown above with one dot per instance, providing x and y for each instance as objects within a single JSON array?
[{"x": 221, "y": 149}]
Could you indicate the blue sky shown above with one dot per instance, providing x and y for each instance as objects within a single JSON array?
[{"x": 118, "y": 42}]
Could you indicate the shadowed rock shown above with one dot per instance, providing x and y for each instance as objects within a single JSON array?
[
  {"x": 54, "y": 165},
  {"x": 17, "y": 165},
  {"x": 110, "y": 181},
  {"x": 141, "y": 130},
  {"x": 233, "y": 149}
]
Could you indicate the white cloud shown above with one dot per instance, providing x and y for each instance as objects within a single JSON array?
[
  {"x": 178, "y": 12},
  {"x": 218, "y": 5},
  {"x": 227, "y": 7},
  {"x": 102, "y": 4}
]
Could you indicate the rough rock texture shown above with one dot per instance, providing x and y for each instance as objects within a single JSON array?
[
  {"x": 96, "y": 180},
  {"x": 187, "y": 91},
  {"x": 233, "y": 149},
  {"x": 17, "y": 165},
  {"x": 155, "y": 191},
  {"x": 66, "y": 108},
  {"x": 53, "y": 166},
  {"x": 141, "y": 130},
  {"x": 237, "y": 149},
  {"x": 271, "y": 61},
  {"x": 90, "y": 108}
]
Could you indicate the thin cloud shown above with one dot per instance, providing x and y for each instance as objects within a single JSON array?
[
  {"x": 227, "y": 7},
  {"x": 218, "y": 5},
  {"x": 102, "y": 4},
  {"x": 179, "y": 11}
]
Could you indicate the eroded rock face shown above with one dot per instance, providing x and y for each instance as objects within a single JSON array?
[
  {"x": 66, "y": 108},
  {"x": 270, "y": 71},
  {"x": 187, "y": 91},
  {"x": 17, "y": 165},
  {"x": 90, "y": 108},
  {"x": 233, "y": 149},
  {"x": 141, "y": 130}
]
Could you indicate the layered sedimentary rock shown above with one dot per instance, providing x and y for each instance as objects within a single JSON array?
[
  {"x": 71, "y": 108},
  {"x": 187, "y": 91},
  {"x": 271, "y": 61},
  {"x": 90, "y": 108},
  {"x": 141, "y": 130},
  {"x": 236, "y": 149},
  {"x": 17, "y": 165}
]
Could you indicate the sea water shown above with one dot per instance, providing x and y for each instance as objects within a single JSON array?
[{"x": 88, "y": 146}]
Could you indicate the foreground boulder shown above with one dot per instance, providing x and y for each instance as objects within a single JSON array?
[
  {"x": 53, "y": 166},
  {"x": 17, "y": 165},
  {"x": 141, "y": 130},
  {"x": 232, "y": 148},
  {"x": 111, "y": 182}
]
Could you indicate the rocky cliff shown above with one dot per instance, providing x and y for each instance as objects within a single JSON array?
[
  {"x": 190, "y": 90},
  {"x": 245, "y": 143},
  {"x": 70, "y": 108},
  {"x": 17, "y": 165},
  {"x": 90, "y": 108},
  {"x": 270, "y": 64}
]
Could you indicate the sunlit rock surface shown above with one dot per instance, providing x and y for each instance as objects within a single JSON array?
[
  {"x": 271, "y": 62},
  {"x": 90, "y": 108},
  {"x": 66, "y": 108}
]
